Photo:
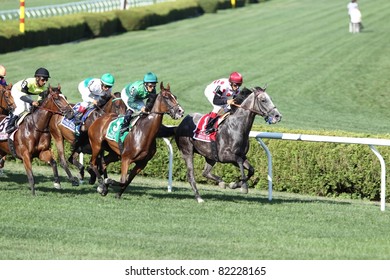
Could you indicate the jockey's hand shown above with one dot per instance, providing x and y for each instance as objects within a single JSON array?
[
  {"x": 35, "y": 103},
  {"x": 143, "y": 109},
  {"x": 94, "y": 102},
  {"x": 230, "y": 101}
]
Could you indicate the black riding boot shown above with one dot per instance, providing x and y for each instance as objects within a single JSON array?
[
  {"x": 11, "y": 124},
  {"x": 126, "y": 122},
  {"x": 77, "y": 118},
  {"x": 210, "y": 125}
]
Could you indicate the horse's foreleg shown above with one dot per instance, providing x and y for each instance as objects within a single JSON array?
[
  {"x": 207, "y": 173},
  {"x": 191, "y": 177},
  {"x": 74, "y": 159},
  {"x": 64, "y": 164},
  {"x": 30, "y": 176},
  {"x": 47, "y": 156}
]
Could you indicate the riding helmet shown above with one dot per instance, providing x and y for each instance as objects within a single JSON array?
[
  {"x": 42, "y": 72},
  {"x": 150, "y": 77},
  {"x": 3, "y": 73},
  {"x": 236, "y": 78},
  {"x": 108, "y": 79}
]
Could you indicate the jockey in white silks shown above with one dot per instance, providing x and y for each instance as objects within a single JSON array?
[{"x": 220, "y": 94}]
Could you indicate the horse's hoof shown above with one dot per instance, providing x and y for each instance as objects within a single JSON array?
[
  {"x": 199, "y": 199},
  {"x": 92, "y": 181},
  {"x": 57, "y": 186},
  {"x": 108, "y": 181},
  {"x": 244, "y": 190},
  {"x": 99, "y": 189},
  {"x": 233, "y": 185},
  {"x": 75, "y": 182},
  {"x": 222, "y": 185}
]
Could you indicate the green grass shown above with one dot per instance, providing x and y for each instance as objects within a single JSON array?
[
  {"x": 150, "y": 223},
  {"x": 320, "y": 76}
]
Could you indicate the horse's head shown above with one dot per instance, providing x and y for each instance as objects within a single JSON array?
[
  {"x": 55, "y": 102},
  {"x": 261, "y": 104},
  {"x": 173, "y": 107},
  {"x": 115, "y": 105},
  {"x": 7, "y": 102}
]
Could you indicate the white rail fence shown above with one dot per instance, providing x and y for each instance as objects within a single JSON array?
[
  {"x": 91, "y": 6},
  {"x": 371, "y": 142}
]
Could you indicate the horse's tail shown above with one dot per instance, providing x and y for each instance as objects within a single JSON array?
[{"x": 166, "y": 131}]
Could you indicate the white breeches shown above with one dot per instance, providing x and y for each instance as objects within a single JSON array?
[{"x": 20, "y": 105}]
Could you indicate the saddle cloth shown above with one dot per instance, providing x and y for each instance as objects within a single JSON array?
[
  {"x": 4, "y": 123},
  {"x": 69, "y": 124},
  {"x": 115, "y": 126},
  {"x": 200, "y": 130}
]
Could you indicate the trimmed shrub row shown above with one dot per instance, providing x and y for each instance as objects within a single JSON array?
[{"x": 69, "y": 28}]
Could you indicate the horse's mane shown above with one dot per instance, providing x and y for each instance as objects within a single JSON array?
[{"x": 150, "y": 102}]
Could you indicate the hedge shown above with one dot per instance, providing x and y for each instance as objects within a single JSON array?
[{"x": 74, "y": 27}]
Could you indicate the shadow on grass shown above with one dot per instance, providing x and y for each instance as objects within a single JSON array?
[
  {"x": 209, "y": 194},
  {"x": 156, "y": 192}
]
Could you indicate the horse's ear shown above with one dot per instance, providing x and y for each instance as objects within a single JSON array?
[
  {"x": 168, "y": 86},
  {"x": 162, "y": 85},
  {"x": 59, "y": 86}
]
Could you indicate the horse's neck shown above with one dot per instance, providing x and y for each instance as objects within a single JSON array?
[
  {"x": 107, "y": 108},
  {"x": 39, "y": 119},
  {"x": 242, "y": 121}
]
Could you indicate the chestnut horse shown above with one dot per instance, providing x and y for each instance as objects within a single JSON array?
[
  {"x": 232, "y": 140},
  {"x": 32, "y": 138},
  {"x": 7, "y": 105},
  {"x": 139, "y": 146},
  {"x": 114, "y": 105}
]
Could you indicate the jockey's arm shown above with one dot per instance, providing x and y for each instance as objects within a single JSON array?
[{"x": 219, "y": 100}]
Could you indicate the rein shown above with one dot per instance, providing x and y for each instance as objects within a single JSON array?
[{"x": 253, "y": 105}]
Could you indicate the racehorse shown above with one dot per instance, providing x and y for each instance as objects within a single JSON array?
[
  {"x": 7, "y": 105},
  {"x": 232, "y": 139},
  {"x": 139, "y": 146},
  {"x": 32, "y": 138},
  {"x": 59, "y": 132}
]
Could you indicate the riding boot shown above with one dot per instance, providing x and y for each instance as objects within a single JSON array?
[
  {"x": 77, "y": 118},
  {"x": 126, "y": 122},
  {"x": 211, "y": 122},
  {"x": 11, "y": 127}
]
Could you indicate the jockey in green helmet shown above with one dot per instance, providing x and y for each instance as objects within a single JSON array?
[{"x": 134, "y": 95}]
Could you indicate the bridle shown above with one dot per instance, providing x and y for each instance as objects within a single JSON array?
[
  {"x": 253, "y": 105},
  {"x": 172, "y": 109}
]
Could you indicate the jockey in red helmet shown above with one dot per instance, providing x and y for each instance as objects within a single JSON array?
[{"x": 220, "y": 94}]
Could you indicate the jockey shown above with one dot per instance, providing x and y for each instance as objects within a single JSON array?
[
  {"x": 3, "y": 73},
  {"x": 22, "y": 93},
  {"x": 220, "y": 94},
  {"x": 133, "y": 95},
  {"x": 94, "y": 92}
]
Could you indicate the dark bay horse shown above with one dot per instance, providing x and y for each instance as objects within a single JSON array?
[
  {"x": 60, "y": 133},
  {"x": 139, "y": 146},
  {"x": 232, "y": 141},
  {"x": 32, "y": 138}
]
